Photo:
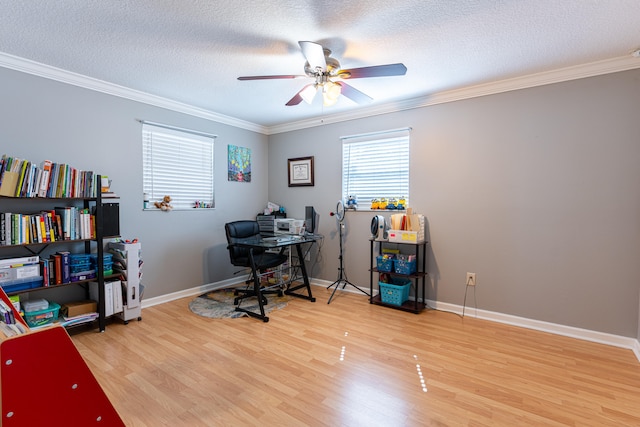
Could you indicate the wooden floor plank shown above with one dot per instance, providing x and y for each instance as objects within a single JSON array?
[{"x": 350, "y": 363}]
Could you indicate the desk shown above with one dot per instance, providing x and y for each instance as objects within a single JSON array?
[{"x": 299, "y": 271}]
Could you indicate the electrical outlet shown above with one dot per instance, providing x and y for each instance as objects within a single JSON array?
[{"x": 471, "y": 279}]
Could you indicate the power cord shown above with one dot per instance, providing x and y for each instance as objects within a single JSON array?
[{"x": 475, "y": 302}]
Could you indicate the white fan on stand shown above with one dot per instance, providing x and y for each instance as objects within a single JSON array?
[{"x": 342, "y": 275}]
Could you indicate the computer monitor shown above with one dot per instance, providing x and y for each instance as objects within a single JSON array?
[{"x": 311, "y": 219}]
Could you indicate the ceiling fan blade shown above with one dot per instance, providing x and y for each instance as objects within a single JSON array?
[
  {"x": 285, "y": 76},
  {"x": 297, "y": 99},
  {"x": 314, "y": 54},
  {"x": 354, "y": 94},
  {"x": 374, "y": 71}
]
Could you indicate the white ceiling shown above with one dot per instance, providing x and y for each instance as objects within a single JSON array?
[{"x": 192, "y": 51}]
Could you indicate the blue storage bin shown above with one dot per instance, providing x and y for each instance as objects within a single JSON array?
[
  {"x": 79, "y": 259},
  {"x": 78, "y": 267},
  {"x": 83, "y": 275},
  {"x": 403, "y": 266},
  {"x": 385, "y": 265},
  {"x": 395, "y": 293},
  {"x": 107, "y": 262},
  {"x": 22, "y": 284}
]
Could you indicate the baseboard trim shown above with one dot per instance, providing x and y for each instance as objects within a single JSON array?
[
  {"x": 198, "y": 290},
  {"x": 554, "y": 328},
  {"x": 636, "y": 349},
  {"x": 539, "y": 325}
]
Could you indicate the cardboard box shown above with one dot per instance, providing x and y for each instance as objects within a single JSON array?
[
  {"x": 76, "y": 308},
  {"x": 405, "y": 236}
]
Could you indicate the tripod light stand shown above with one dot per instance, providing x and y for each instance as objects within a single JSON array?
[{"x": 342, "y": 275}]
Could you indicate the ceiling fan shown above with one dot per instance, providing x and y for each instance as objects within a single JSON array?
[{"x": 324, "y": 69}]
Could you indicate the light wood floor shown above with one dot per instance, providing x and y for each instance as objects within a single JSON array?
[{"x": 350, "y": 363}]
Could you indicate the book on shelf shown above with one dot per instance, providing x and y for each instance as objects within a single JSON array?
[
  {"x": 19, "y": 261},
  {"x": 57, "y": 268},
  {"x": 21, "y": 172},
  {"x": 3, "y": 228},
  {"x": 44, "y": 272},
  {"x": 108, "y": 295},
  {"x": 65, "y": 266},
  {"x": 8, "y": 324},
  {"x": 9, "y": 183},
  {"x": 79, "y": 319},
  {"x": 45, "y": 177}
]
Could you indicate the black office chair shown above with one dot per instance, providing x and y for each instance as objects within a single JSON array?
[{"x": 240, "y": 257}]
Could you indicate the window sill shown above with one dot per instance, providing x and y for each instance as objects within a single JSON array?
[{"x": 374, "y": 210}]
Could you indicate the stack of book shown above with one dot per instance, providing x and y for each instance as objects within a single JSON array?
[
  {"x": 22, "y": 178},
  {"x": 63, "y": 223},
  {"x": 8, "y": 324}
]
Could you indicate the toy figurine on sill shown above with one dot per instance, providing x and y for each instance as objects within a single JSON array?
[
  {"x": 165, "y": 204},
  {"x": 392, "y": 204},
  {"x": 402, "y": 203},
  {"x": 352, "y": 203}
]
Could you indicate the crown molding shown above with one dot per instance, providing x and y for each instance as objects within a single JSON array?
[
  {"x": 607, "y": 66},
  {"x": 60, "y": 75}
]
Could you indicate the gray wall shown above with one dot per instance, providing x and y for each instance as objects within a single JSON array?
[
  {"x": 43, "y": 119},
  {"x": 536, "y": 191}
]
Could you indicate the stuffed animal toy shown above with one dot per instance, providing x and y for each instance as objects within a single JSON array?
[
  {"x": 165, "y": 204},
  {"x": 352, "y": 203}
]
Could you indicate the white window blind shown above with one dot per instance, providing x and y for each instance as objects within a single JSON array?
[
  {"x": 177, "y": 163},
  {"x": 376, "y": 165}
]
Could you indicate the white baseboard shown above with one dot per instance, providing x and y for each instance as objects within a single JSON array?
[
  {"x": 198, "y": 290},
  {"x": 554, "y": 328}
]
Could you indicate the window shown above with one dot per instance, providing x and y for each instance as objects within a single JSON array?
[
  {"x": 376, "y": 165},
  {"x": 177, "y": 163}
]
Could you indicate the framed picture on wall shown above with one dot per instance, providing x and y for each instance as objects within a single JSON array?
[{"x": 301, "y": 171}]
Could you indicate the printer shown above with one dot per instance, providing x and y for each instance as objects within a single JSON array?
[
  {"x": 289, "y": 226},
  {"x": 284, "y": 225}
]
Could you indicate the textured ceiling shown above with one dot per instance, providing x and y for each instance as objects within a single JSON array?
[{"x": 192, "y": 51}]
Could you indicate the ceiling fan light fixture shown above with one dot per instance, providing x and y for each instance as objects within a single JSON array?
[
  {"x": 330, "y": 93},
  {"x": 327, "y": 101},
  {"x": 308, "y": 93},
  {"x": 322, "y": 67}
]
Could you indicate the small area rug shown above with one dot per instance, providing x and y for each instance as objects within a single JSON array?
[{"x": 218, "y": 304}]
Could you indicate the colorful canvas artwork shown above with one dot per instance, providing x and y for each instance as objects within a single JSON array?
[{"x": 239, "y": 163}]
